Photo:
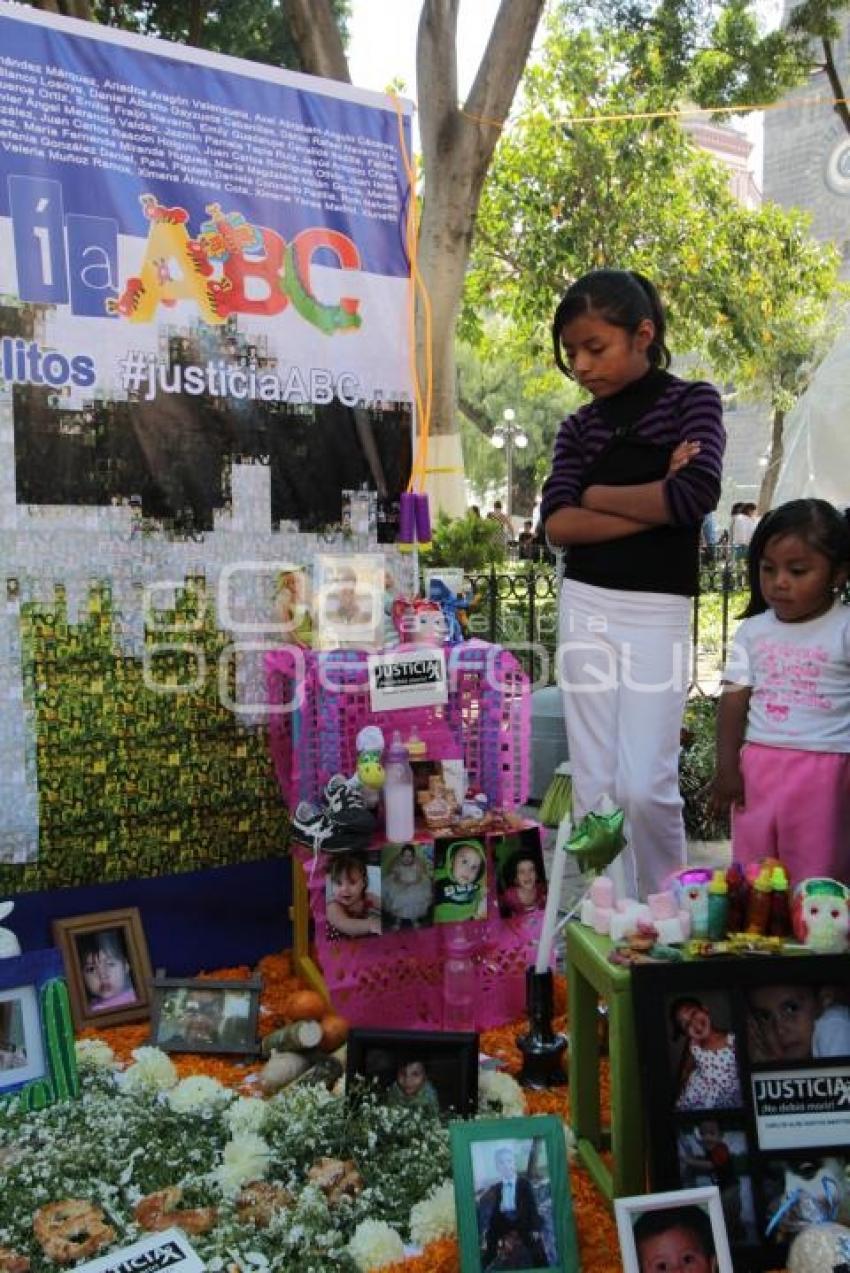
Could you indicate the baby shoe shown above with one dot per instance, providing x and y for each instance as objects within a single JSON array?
[
  {"x": 346, "y": 806},
  {"x": 314, "y": 827}
]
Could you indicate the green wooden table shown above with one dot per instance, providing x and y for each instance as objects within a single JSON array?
[{"x": 590, "y": 977}]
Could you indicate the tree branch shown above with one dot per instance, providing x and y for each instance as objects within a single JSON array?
[
  {"x": 436, "y": 71},
  {"x": 317, "y": 38},
  {"x": 840, "y": 106},
  {"x": 503, "y": 63},
  {"x": 475, "y": 416}
]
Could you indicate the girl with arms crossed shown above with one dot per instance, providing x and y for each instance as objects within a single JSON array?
[{"x": 634, "y": 473}]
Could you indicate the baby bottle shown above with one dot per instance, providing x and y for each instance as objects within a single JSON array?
[
  {"x": 459, "y": 988},
  {"x": 398, "y": 793}
]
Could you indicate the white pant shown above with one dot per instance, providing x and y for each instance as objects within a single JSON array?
[{"x": 623, "y": 668}]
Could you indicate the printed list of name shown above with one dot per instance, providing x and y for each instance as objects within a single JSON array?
[{"x": 52, "y": 114}]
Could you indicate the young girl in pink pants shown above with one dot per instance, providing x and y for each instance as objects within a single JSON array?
[{"x": 783, "y": 728}]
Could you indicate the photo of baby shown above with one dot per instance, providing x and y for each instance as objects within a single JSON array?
[
  {"x": 520, "y": 874},
  {"x": 460, "y": 881},
  {"x": 703, "y": 1052},
  {"x": 352, "y": 898},
  {"x": 675, "y": 1239},
  {"x": 105, "y": 967},
  {"x": 797, "y": 1022},
  {"x": 21, "y": 1048},
  {"x": 712, "y": 1152},
  {"x": 414, "y": 1070},
  {"x": 407, "y": 885}
]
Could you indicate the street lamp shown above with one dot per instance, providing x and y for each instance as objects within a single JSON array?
[{"x": 508, "y": 435}]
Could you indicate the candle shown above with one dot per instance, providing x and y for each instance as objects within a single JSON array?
[{"x": 556, "y": 879}]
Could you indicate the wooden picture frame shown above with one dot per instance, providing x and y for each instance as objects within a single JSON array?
[
  {"x": 107, "y": 965},
  {"x": 538, "y": 1222},
  {"x": 773, "y": 1120},
  {"x": 695, "y": 1213},
  {"x": 38, "y": 1063},
  {"x": 417, "y": 1068},
  {"x": 200, "y": 1014}
]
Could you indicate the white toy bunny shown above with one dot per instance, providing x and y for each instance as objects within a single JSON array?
[{"x": 9, "y": 944}]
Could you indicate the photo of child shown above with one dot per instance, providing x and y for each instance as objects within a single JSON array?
[
  {"x": 105, "y": 968},
  {"x": 407, "y": 886},
  {"x": 411, "y": 1087},
  {"x": 348, "y": 596},
  {"x": 707, "y": 1062},
  {"x": 193, "y": 1018},
  {"x": 523, "y": 883},
  {"x": 713, "y": 1154},
  {"x": 674, "y": 1239},
  {"x": 460, "y": 881},
  {"x": 352, "y": 898},
  {"x": 797, "y": 1023}
]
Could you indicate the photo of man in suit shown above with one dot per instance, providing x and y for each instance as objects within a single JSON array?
[{"x": 509, "y": 1220}]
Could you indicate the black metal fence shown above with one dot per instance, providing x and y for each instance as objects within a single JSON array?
[{"x": 517, "y": 607}]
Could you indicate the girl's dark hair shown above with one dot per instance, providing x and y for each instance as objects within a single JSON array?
[
  {"x": 684, "y": 1001},
  {"x": 512, "y": 864},
  {"x": 110, "y": 941},
  {"x": 623, "y": 298},
  {"x": 816, "y": 521},
  {"x": 348, "y": 864}
]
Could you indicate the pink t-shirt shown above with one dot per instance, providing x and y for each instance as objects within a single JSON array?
[{"x": 800, "y": 679}]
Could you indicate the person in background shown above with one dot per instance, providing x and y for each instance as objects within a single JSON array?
[
  {"x": 783, "y": 724},
  {"x": 634, "y": 473},
  {"x": 526, "y": 541},
  {"x": 497, "y": 515},
  {"x": 744, "y": 522}
]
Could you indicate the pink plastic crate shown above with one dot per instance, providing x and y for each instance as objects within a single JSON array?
[
  {"x": 320, "y": 702},
  {"x": 395, "y": 981}
]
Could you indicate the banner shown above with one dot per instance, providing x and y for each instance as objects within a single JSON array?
[{"x": 200, "y": 259}]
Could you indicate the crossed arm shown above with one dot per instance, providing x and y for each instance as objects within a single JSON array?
[{"x": 615, "y": 512}]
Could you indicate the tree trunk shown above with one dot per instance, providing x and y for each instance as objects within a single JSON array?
[
  {"x": 457, "y": 146},
  {"x": 774, "y": 464},
  {"x": 66, "y": 8},
  {"x": 317, "y": 39}
]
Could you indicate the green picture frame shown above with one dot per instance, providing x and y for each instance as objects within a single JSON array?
[{"x": 540, "y": 1223}]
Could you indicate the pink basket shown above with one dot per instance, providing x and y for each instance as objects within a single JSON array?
[{"x": 320, "y": 702}]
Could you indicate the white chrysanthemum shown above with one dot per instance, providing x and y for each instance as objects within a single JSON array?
[
  {"x": 152, "y": 1071},
  {"x": 94, "y": 1054},
  {"x": 246, "y": 1114},
  {"x": 245, "y": 1158},
  {"x": 374, "y": 1244},
  {"x": 197, "y": 1094},
  {"x": 498, "y": 1093},
  {"x": 434, "y": 1217}
]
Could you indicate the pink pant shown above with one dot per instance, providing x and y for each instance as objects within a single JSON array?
[{"x": 797, "y": 809}]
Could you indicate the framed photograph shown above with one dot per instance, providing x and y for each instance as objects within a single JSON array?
[
  {"x": 746, "y": 1065},
  {"x": 417, "y": 1069},
  {"x": 682, "y": 1229},
  {"x": 107, "y": 966},
  {"x": 348, "y": 601},
  {"x": 37, "y": 1060},
  {"x": 204, "y": 1015},
  {"x": 512, "y": 1194}
]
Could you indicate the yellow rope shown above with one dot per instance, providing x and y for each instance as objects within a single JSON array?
[{"x": 624, "y": 116}]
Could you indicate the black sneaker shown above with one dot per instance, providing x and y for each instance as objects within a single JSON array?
[
  {"x": 313, "y": 827},
  {"x": 346, "y": 807}
]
